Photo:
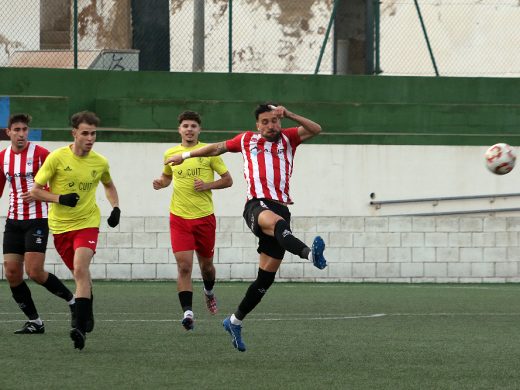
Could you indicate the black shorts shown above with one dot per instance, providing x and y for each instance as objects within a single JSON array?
[
  {"x": 267, "y": 244},
  {"x": 26, "y": 236}
]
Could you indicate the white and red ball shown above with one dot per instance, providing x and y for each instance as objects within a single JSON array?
[{"x": 500, "y": 158}]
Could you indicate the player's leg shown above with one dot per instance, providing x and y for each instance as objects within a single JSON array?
[
  {"x": 204, "y": 234},
  {"x": 207, "y": 270},
  {"x": 13, "y": 271},
  {"x": 275, "y": 222},
  {"x": 183, "y": 246},
  {"x": 84, "y": 243},
  {"x": 254, "y": 294},
  {"x": 36, "y": 236},
  {"x": 271, "y": 255},
  {"x": 64, "y": 244},
  {"x": 13, "y": 249},
  {"x": 82, "y": 259},
  {"x": 184, "y": 261}
]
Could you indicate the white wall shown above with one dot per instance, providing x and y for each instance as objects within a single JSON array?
[
  {"x": 328, "y": 180},
  {"x": 331, "y": 187}
]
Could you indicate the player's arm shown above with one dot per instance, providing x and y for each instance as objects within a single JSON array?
[
  {"x": 113, "y": 199},
  {"x": 307, "y": 128},
  {"x": 38, "y": 192},
  {"x": 206, "y": 151},
  {"x": 111, "y": 193},
  {"x": 225, "y": 181},
  {"x": 3, "y": 180},
  {"x": 162, "y": 182}
]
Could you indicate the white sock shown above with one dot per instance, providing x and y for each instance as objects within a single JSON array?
[
  {"x": 235, "y": 321},
  {"x": 208, "y": 293},
  {"x": 309, "y": 256},
  {"x": 72, "y": 301},
  {"x": 188, "y": 313},
  {"x": 37, "y": 321}
]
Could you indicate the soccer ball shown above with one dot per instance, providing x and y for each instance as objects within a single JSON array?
[{"x": 500, "y": 159}]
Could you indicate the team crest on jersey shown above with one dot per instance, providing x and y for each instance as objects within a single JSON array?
[
  {"x": 255, "y": 150},
  {"x": 94, "y": 173},
  {"x": 29, "y": 161}
]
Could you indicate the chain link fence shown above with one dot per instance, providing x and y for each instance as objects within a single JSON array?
[
  {"x": 268, "y": 36},
  {"x": 409, "y": 37},
  {"x": 450, "y": 37}
]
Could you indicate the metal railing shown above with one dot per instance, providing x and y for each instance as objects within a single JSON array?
[{"x": 436, "y": 200}]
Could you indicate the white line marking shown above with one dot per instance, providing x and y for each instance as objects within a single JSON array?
[{"x": 278, "y": 317}]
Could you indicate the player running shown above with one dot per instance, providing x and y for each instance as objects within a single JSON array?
[
  {"x": 192, "y": 222},
  {"x": 73, "y": 173},
  {"x": 26, "y": 229}
]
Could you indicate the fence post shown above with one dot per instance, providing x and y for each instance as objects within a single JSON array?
[
  {"x": 198, "y": 36},
  {"x": 377, "y": 22},
  {"x": 426, "y": 37},
  {"x": 75, "y": 38},
  {"x": 230, "y": 37},
  {"x": 369, "y": 37},
  {"x": 326, "y": 36}
]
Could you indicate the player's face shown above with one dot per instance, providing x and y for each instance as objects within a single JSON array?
[
  {"x": 189, "y": 131},
  {"x": 84, "y": 137},
  {"x": 18, "y": 133},
  {"x": 269, "y": 125}
]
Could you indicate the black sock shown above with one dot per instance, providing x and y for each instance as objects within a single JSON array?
[
  {"x": 91, "y": 306},
  {"x": 22, "y": 296},
  {"x": 55, "y": 286},
  {"x": 255, "y": 293},
  {"x": 284, "y": 236},
  {"x": 208, "y": 284},
  {"x": 83, "y": 307},
  {"x": 186, "y": 299}
]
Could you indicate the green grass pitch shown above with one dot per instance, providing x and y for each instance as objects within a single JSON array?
[{"x": 301, "y": 336}]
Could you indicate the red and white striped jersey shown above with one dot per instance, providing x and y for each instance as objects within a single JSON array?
[
  {"x": 267, "y": 165},
  {"x": 19, "y": 169}
]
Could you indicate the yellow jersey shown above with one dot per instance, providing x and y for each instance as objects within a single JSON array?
[
  {"x": 186, "y": 202},
  {"x": 66, "y": 173}
]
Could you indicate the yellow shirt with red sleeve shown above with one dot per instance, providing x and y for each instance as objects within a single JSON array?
[
  {"x": 186, "y": 202},
  {"x": 67, "y": 173}
]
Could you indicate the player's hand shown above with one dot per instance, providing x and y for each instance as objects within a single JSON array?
[
  {"x": 176, "y": 159},
  {"x": 27, "y": 198},
  {"x": 200, "y": 185},
  {"x": 70, "y": 200},
  {"x": 113, "y": 220},
  {"x": 157, "y": 184},
  {"x": 279, "y": 111}
]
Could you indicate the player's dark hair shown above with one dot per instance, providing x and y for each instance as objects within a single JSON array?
[
  {"x": 84, "y": 117},
  {"x": 264, "y": 107},
  {"x": 190, "y": 116},
  {"x": 24, "y": 118}
]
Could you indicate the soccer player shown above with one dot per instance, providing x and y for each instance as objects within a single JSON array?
[
  {"x": 26, "y": 229},
  {"x": 73, "y": 173},
  {"x": 192, "y": 222},
  {"x": 268, "y": 163}
]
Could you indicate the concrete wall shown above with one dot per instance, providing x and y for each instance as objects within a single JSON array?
[
  {"x": 359, "y": 249},
  {"x": 331, "y": 187},
  {"x": 328, "y": 180}
]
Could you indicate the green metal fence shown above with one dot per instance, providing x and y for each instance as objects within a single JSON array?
[{"x": 388, "y": 37}]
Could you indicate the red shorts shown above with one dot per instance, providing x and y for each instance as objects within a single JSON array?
[
  {"x": 67, "y": 243},
  {"x": 193, "y": 234}
]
